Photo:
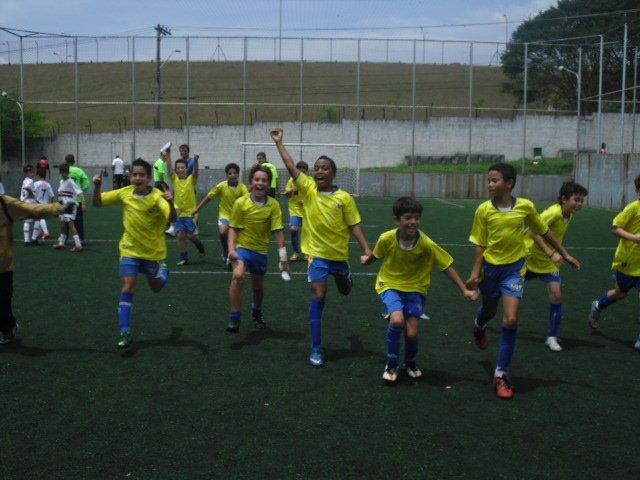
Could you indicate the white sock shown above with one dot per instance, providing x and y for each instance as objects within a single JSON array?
[
  {"x": 62, "y": 239},
  {"x": 43, "y": 226},
  {"x": 26, "y": 228},
  {"x": 76, "y": 241}
]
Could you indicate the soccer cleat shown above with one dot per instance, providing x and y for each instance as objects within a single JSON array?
[
  {"x": 413, "y": 370},
  {"x": 183, "y": 262},
  {"x": 233, "y": 326},
  {"x": 552, "y": 343},
  {"x": 8, "y": 337},
  {"x": 258, "y": 321},
  {"x": 480, "y": 337},
  {"x": 125, "y": 340},
  {"x": 316, "y": 358},
  {"x": 503, "y": 386},
  {"x": 594, "y": 316},
  {"x": 76, "y": 248},
  {"x": 58, "y": 246},
  {"x": 171, "y": 231},
  {"x": 295, "y": 257},
  {"x": 390, "y": 374}
]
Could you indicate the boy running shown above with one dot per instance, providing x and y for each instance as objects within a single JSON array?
[{"x": 184, "y": 186}]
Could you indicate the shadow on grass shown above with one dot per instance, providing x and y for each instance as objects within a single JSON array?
[
  {"x": 174, "y": 340},
  {"x": 29, "y": 351},
  {"x": 567, "y": 343},
  {"x": 255, "y": 337},
  {"x": 529, "y": 384},
  {"x": 620, "y": 341},
  {"x": 356, "y": 350}
]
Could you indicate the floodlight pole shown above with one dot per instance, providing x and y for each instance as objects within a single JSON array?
[{"x": 578, "y": 76}]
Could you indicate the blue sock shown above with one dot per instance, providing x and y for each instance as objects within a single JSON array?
[
  {"x": 200, "y": 247},
  {"x": 507, "y": 347},
  {"x": 604, "y": 302},
  {"x": 184, "y": 255},
  {"x": 255, "y": 311},
  {"x": 315, "y": 321},
  {"x": 555, "y": 317},
  {"x": 482, "y": 318},
  {"x": 124, "y": 311},
  {"x": 411, "y": 351},
  {"x": 295, "y": 241},
  {"x": 234, "y": 316},
  {"x": 163, "y": 273},
  {"x": 394, "y": 336}
]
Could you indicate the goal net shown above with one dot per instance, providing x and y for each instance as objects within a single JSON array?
[{"x": 346, "y": 156}]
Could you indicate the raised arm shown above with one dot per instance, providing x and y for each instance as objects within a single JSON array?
[
  {"x": 277, "y": 136},
  {"x": 97, "y": 190}
]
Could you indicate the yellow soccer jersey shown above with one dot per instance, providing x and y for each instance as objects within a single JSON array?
[
  {"x": 537, "y": 260},
  {"x": 295, "y": 201},
  {"x": 254, "y": 223},
  {"x": 184, "y": 196},
  {"x": 145, "y": 218},
  {"x": 502, "y": 233},
  {"x": 228, "y": 195},
  {"x": 327, "y": 218},
  {"x": 408, "y": 270},
  {"x": 627, "y": 257}
]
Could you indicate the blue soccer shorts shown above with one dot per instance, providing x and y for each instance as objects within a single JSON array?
[
  {"x": 185, "y": 224},
  {"x": 255, "y": 262},
  {"x": 501, "y": 280},
  {"x": 320, "y": 269},
  {"x": 131, "y": 267},
  {"x": 545, "y": 277},
  {"x": 627, "y": 282},
  {"x": 411, "y": 304},
  {"x": 295, "y": 221}
]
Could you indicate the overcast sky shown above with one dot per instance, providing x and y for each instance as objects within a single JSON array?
[{"x": 361, "y": 18}]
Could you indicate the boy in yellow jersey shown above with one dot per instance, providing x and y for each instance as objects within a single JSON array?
[
  {"x": 626, "y": 260},
  {"x": 184, "y": 188},
  {"x": 146, "y": 212},
  {"x": 498, "y": 264},
  {"x": 330, "y": 217},
  {"x": 253, "y": 219},
  {"x": 403, "y": 280},
  {"x": 543, "y": 261},
  {"x": 229, "y": 191},
  {"x": 295, "y": 213}
]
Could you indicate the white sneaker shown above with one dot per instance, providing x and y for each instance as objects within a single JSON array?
[
  {"x": 171, "y": 231},
  {"x": 196, "y": 231},
  {"x": 637, "y": 344},
  {"x": 390, "y": 374},
  {"x": 552, "y": 343}
]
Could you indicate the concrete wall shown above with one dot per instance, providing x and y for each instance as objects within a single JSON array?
[{"x": 383, "y": 143}]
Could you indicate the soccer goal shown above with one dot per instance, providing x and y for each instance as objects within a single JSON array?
[{"x": 346, "y": 156}]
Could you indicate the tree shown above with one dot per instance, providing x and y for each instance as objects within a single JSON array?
[
  {"x": 554, "y": 37},
  {"x": 35, "y": 124}
]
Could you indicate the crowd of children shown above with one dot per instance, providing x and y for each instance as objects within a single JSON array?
[{"x": 513, "y": 242}]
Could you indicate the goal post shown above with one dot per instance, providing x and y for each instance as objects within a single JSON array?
[{"x": 346, "y": 156}]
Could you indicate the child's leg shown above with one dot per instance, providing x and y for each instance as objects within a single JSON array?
[
  {"x": 257, "y": 284},
  {"x": 486, "y": 312},
  {"x": 76, "y": 236},
  {"x": 224, "y": 240},
  {"x": 7, "y": 320},
  {"x": 44, "y": 227},
  {"x": 196, "y": 241},
  {"x": 64, "y": 229},
  {"x": 554, "y": 290},
  {"x": 235, "y": 295},
  {"x": 182, "y": 246},
  {"x": 26, "y": 230},
  {"x": 316, "y": 306},
  {"x": 295, "y": 238},
  {"x": 609, "y": 298},
  {"x": 394, "y": 338},
  {"x": 411, "y": 342},
  {"x": 511, "y": 307},
  {"x": 158, "y": 277},
  {"x": 125, "y": 305}
]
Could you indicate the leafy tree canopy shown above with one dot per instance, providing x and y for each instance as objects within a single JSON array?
[
  {"x": 35, "y": 124},
  {"x": 554, "y": 38}
]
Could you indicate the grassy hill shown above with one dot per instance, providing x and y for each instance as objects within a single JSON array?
[{"x": 329, "y": 91}]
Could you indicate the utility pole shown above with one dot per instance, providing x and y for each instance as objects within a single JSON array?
[{"x": 161, "y": 30}]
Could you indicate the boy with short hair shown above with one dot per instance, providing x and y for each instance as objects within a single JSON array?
[
  {"x": 44, "y": 195},
  {"x": 331, "y": 217},
  {"x": 295, "y": 213},
  {"x": 184, "y": 185},
  {"x": 146, "y": 212},
  {"x": 27, "y": 195},
  {"x": 253, "y": 218},
  {"x": 543, "y": 261},
  {"x": 626, "y": 260},
  {"x": 68, "y": 193},
  {"x": 403, "y": 280},
  {"x": 229, "y": 191},
  {"x": 162, "y": 177},
  {"x": 261, "y": 158},
  {"x": 498, "y": 264}
]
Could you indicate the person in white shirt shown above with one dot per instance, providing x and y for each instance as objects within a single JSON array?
[
  {"x": 68, "y": 192},
  {"x": 44, "y": 195},
  {"x": 27, "y": 195},
  {"x": 117, "y": 166}
]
